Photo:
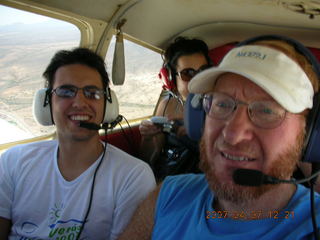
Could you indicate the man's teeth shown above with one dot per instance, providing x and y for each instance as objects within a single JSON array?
[
  {"x": 79, "y": 117},
  {"x": 236, "y": 158}
]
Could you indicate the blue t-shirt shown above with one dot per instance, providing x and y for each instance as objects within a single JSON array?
[{"x": 184, "y": 211}]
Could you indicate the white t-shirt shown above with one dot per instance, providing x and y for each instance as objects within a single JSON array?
[{"x": 43, "y": 205}]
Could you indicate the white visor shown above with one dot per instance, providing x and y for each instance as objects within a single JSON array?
[{"x": 270, "y": 69}]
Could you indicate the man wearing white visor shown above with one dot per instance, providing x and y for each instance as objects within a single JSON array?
[{"x": 256, "y": 105}]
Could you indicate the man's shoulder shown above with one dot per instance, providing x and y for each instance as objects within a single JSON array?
[
  {"x": 189, "y": 178},
  {"x": 130, "y": 173},
  {"x": 29, "y": 147},
  {"x": 121, "y": 158},
  {"x": 304, "y": 192},
  {"x": 185, "y": 183},
  {"x": 28, "y": 156},
  {"x": 181, "y": 193},
  {"x": 301, "y": 200}
]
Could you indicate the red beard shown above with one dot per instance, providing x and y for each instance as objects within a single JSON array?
[{"x": 282, "y": 168}]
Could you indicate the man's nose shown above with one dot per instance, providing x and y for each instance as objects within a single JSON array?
[
  {"x": 238, "y": 127},
  {"x": 79, "y": 99}
]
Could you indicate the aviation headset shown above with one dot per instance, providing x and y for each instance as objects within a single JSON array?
[
  {"x": 42, "y": 107},
  {"x": 194, "y": 115},
  {"x": 167, "y": 73},
  {"x": 167, "y": 82}
]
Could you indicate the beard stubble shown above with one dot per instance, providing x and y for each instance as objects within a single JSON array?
[{"x": 282, "y": 168}]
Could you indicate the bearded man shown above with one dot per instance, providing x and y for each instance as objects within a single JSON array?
[{"x": 256, "y": 104}]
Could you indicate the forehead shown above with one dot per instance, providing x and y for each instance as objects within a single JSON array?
[
  {"x": 77, "y": 74},
  {"x": 237, "y": 85},
  {"x": 194, "y": 61}
]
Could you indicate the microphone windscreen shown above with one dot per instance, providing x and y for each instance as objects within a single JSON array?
[
  {"x": 90, "y": 126},
  {"x": 248, "y": 177}
]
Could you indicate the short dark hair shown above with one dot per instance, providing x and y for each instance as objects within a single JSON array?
[
  {"x": 76, "y": 56},
  {"x": 183, "y": 46}
]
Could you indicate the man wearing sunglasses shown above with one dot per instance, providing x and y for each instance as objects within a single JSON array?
[
  {"x": 75, "y": 187},
  {"x": 256, "y": 104},
  {"x": 183, "y": 59}
]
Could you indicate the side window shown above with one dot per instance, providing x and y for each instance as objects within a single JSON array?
[
  {"x": 140, "y": 92},
  {"x": 27, "y": 43}
]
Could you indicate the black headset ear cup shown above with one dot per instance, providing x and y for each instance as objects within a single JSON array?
[
  {"x": 111, "y": 107},
  {"x": 194, "y": 116},
  {"x": 41, "y": 108},
  {"x": 312, "y": 141}
]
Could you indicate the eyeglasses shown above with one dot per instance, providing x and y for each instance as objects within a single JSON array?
[
  {"x": 70, "y": 91},
  {"x": 263, "y": 114},
  {"x": 188, "y": 73}
]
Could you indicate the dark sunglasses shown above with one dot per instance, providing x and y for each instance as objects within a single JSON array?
[
  {"x": 70, "y": 91},
  {"x": 188, "y": 73}
]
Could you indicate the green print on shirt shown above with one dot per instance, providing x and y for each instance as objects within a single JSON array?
[{"x": 65, "y": 233}]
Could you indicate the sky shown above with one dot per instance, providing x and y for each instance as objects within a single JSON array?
[{"x": 10, "y": 15}]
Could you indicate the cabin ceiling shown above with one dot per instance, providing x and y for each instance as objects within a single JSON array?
[{"x": 157, "y": 22}]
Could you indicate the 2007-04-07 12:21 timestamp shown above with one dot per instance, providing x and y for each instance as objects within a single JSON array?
[{"x": 251, "y": 215}]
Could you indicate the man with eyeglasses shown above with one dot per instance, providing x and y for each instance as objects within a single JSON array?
[
  {"x": 75, "y": 187},
  {"x": 256, "y": 103}
]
